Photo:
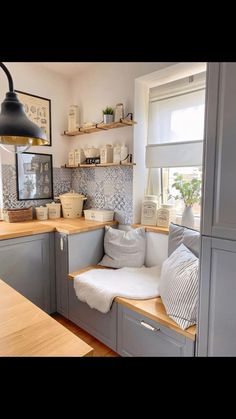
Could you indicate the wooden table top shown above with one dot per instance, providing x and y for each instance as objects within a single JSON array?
[
  {"x": 62, "y": 225},
  {"x": 26, "y": 330}
]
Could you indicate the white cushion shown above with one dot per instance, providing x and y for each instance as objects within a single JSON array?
[
  {"x": 124, "y": 248},
  {"x": 179, "y": 286}
]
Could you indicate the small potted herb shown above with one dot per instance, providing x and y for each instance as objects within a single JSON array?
[
  {"x": 190, "y": 193},
  {"x": 108, "y": 115}
]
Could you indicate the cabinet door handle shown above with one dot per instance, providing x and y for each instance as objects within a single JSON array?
[
  {"x": 61, "y": 243},
  {"x": 148, "y": 326}
]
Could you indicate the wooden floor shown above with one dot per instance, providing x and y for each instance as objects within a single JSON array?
[{"x": 99, "y": 348}]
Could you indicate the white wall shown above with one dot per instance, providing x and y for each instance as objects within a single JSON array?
[
  {"x": 31, "y": 78},
  {"x": 106, "y": 84}
]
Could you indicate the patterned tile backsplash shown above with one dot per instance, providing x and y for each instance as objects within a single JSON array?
[
  {"x": 109, "y": 188},
  {"x": 61, "y": 184}
]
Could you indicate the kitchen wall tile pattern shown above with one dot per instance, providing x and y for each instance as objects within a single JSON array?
[
  {"x": 61, "y": 183},
  {"x": 109, "y": 188}
]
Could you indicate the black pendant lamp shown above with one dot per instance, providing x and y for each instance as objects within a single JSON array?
[{"x": 15, "y": 127}]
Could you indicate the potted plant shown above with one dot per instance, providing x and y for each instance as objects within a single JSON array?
[
  {"x": 108, "y": 115},
  {"x": 190, "y": 193}
]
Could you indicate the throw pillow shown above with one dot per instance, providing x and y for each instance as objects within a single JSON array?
[
  {"x": 124, "y": 248},
  {"x": 179, "y": 286},
  {"x": 178, "y": 235}
]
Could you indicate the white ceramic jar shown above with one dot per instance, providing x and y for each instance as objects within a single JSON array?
[
  {"x": 41, "y": 213},
  {"x": 71, "y": 158},
  {"x": 165, "y": 215},
  {"x": 119, "y": 112},
  {"x": 116, "y": 153},
  {"x": 149, "y": 210},
  {"x": 73, "y": 118},
  {"x": 54, "y": 210},
  {"x": 79, "y": 156},
  {"x": 106, "y": 154}
]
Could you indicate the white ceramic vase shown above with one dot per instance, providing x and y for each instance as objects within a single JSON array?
[{"x": 188, "y": 217}]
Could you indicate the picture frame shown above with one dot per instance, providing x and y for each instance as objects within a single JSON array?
[
  {"x": 38, "y": 110},
  {"x": 34, "y": 176}
]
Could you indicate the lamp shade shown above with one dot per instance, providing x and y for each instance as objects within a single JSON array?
[
  {"x": 15, "y": 128},
  {"x": 182, "y": 154}
]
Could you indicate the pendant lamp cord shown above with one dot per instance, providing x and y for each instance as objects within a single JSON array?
[{"x": 9, "y": 77}]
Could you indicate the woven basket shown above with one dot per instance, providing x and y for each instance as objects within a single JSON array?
[{"x": 19, "y": 214}]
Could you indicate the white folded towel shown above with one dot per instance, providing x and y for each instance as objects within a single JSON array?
[{"x": 99, "y": 287}]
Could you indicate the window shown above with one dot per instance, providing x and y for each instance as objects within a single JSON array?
[
  {"x": 175, "y": 137},
  {"x": 167, "y": 180},
  {"x": 179, "y": 118}
]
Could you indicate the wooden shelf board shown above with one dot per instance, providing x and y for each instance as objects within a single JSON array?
[
  {"x": 98, "y": 165},
  {"x": 100, "y": 127}
]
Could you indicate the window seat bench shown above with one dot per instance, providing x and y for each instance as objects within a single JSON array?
[{"x": 133, "y": 327}]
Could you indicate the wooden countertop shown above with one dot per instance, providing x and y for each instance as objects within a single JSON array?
[
  {"x": 153, "y": 229},
  {"x": 62, "y": 225},
  {"x": 26, "y": 330},
  {"x": 152, "y": 308}
]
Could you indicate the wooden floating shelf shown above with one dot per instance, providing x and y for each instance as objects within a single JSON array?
[
  {"x": 100, "y": 127},
  {"x": 98, "y": 165}
]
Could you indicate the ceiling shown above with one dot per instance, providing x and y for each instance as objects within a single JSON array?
[{"x": 67, "y": 69}]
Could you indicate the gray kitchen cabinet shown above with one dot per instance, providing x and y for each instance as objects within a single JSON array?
[
  {"x": 217, "y": 311},
  {"x": 73, "y": 252},
  {"x": 27, "y": 265},
  {"x": 219, "y": 196},
  {"x": 102, "y": 326},
  {"x": 140, "y": 336}
]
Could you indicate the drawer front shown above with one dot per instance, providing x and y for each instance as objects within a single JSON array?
[{"x": 140, "y": 336}]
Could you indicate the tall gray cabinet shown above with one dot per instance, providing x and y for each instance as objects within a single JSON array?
[{"x": 217, "y": 300}]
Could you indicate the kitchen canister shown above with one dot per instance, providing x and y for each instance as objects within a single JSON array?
[
  {"x": 165, "y": 215},
  {"x": 41, "y": 213},
  {"x": 72, "y": 204},
  {"x": 73, "y": 118},
  {"x": 149, "y": 210},
  {"x": 54, "y": 210},
  {"x": 106, "y": 154},
  {"x": 119, "y": 112},
  {"x": 120, "y": 153},
  {"x": 71, "y": 158},
  {"x": 79, "y": 156}
]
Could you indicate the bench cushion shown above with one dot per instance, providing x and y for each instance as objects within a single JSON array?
[
  {"x": 179, "y": 286},
  {"x": 124, "y": 248},
  {"x": 178, "y": 235}
]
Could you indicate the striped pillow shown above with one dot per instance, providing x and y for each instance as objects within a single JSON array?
[{"x": 179, "y": 286}]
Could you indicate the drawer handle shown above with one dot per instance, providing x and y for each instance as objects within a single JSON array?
[{"x": 148, "y": 326}]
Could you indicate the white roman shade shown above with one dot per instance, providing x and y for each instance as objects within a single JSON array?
[{"x": 182, "y": 154}]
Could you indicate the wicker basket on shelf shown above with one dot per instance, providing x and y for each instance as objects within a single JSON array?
[{"x": 17, "y": 215}]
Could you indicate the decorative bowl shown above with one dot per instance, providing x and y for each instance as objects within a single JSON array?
[{"x": 91, "y": 152}]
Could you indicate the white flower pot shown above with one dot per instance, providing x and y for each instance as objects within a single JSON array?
[{"x": 188, "y": 217}]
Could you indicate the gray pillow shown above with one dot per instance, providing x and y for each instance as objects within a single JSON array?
[
  {"x": 179, "y": 286},
  {"x": 178, "y": 235},
  {"x": 124, "y": 248}
]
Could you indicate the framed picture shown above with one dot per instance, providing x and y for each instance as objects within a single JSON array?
[
  {"x": 34, "y": 177},
  {"x": 38, "y": 110}
]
